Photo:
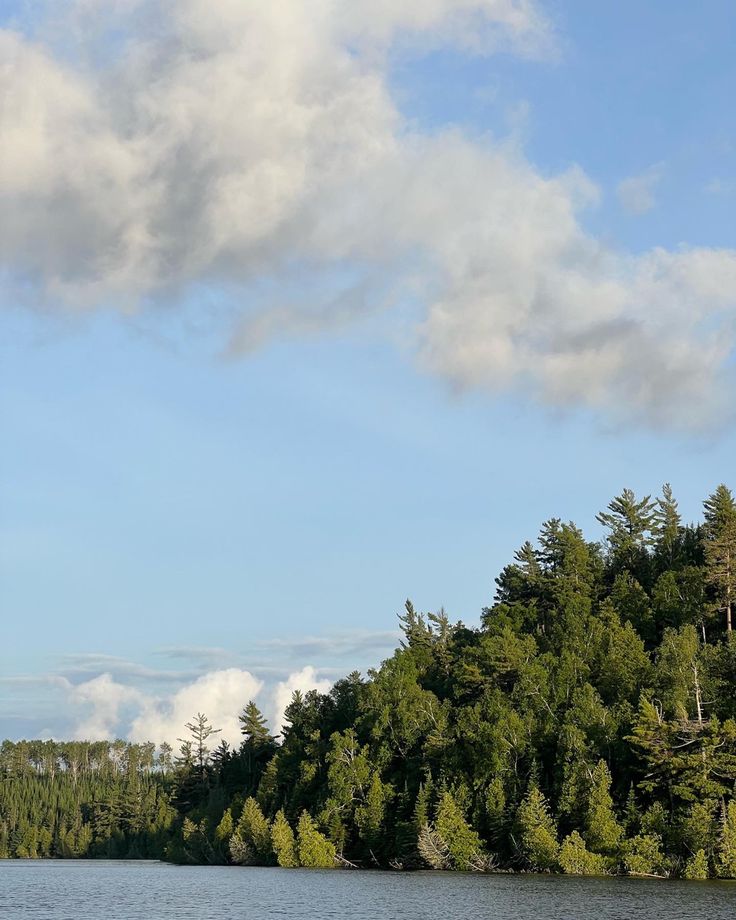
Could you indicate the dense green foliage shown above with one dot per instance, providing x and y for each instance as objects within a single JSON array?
[
  {"x": 588, "y": 725},
  {"x": 78, "y": 799}
]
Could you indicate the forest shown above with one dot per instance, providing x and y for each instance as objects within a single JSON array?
[{"x": 586, "y": 726}]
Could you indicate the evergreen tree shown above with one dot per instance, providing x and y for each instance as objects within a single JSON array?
[
  {"x": 225, "y": 828},
  {"x": 666, "y": 526},
  {"x": 370, "y": 816},
  {"x": 258, "y": 746},
  {"x": 602, "y": 831},
  {"x": 423, "y": 803},
  {"x": 254, "y": 830},
  {"x": 253, "y": 725},
  {"x": 629, "y": 522},
  {"x": 463, "y": 843},
  {"x": 314, "y": 849},
  {"x": 595, "y": 676},
  {"x": 697, "y": 867},
  {"x": 576, "y": 859},
  {"x": 720, "y": 555},
  {"x": 642, "y": 855},
  {"x": 699, "y": 828},
  {"x": 200, "y": 730},
  {"x": 726, "y": 857},
  {"x": 719, "y": 510},
  {"x": 537, "y": 832},
  {"x": 283, "y": 842}
]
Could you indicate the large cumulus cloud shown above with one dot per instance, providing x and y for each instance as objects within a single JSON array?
[{"x": 149, "y": 147}]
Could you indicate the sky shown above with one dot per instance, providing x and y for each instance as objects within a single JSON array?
[{"x": 306, "y": 309}]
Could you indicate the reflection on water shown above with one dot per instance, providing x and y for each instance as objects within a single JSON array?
[{"x": 63, "y": 890}]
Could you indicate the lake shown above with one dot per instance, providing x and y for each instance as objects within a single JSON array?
[{"x": 120, "y": 890}]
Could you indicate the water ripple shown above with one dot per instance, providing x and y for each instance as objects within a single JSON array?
[{"x": 65, "y": 890}]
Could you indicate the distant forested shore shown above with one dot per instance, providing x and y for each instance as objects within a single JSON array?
[{"x": 587, "y": 726}]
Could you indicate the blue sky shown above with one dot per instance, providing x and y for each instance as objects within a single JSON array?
[
  {"x": 635, "y": 85},
  {"x": 207, "y": 472}
]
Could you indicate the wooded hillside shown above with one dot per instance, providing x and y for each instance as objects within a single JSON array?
[{"x": 586, "y": 726}]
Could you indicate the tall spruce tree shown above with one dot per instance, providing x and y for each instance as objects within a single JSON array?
[
  {"x": 537, "y": 832},
  {"x": 603, "y": 833}
]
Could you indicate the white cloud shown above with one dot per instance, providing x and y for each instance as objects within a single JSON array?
[
  {"x": 352, "y": 643},
  {"x": 220, "y": 695},
  {"x": 102, "y": 700},
  {"x": 304, "y": 680},
  {"x": 209, "y": 150},
  {"x": 636, "y": 194},
  {"x": 257, "y": 147}
]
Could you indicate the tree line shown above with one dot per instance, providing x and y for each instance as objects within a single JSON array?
[{"x": 587, "y": 726}]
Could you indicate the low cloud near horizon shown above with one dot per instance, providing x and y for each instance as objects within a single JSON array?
[
  {"x": 153, "y": 150},
  {"x": 109, "y": 696},
  {"x": 105, "y": 708}
]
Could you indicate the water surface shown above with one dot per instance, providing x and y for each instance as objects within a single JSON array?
[{"x": 119, "y": 890}]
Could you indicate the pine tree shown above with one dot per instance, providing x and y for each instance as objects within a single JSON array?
[
  {"x": 699, "y": 827},
  {"x": 496, "y": 808},
  {"x": 423, "y": 803},
  {"x": 696, "y": 867},
  {"x": 720, "y": 556},
  {"x": 726, "y": 858},
  {"x": 463, "y": 843},
  {"x": 719, "y": 510},
  {"x": 537, "y": 831},
  {"x": 576, "y": 859},
  {"x": 224, "y": 830},
  {"x": 632, "y": 815},
  {"x": 720, "y": 548},
  {"x": 666, "y": 525},
  {"x": 602, "y": 831},
  {"x": 253, "y": 725},
  {"x": 314, "y": 849},
  {"x": 254, "y": 830},
  {"x": 200, "y": 730},
  {"x": 630, "y": 522},
  {"x": 414, "y": 626},
  {"x": 642, "y": 855},
  {"x": 369, "y": 817},
  {"x": 283, "y": 842},
  {"x": 258, "y": 745}
]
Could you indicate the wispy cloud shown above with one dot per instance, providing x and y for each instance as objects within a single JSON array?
[
  {"x": 79, "y": 665},
  {"x": 337, "y": 645},
  {"x": 35, "y": 680},
  {"x": 637, "y": 193},
  {"x": 201, "y": 655},
  {"x": 721, "y": 187}
]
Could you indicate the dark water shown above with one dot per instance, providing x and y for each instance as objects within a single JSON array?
[{"x": 59, "y": 890}]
